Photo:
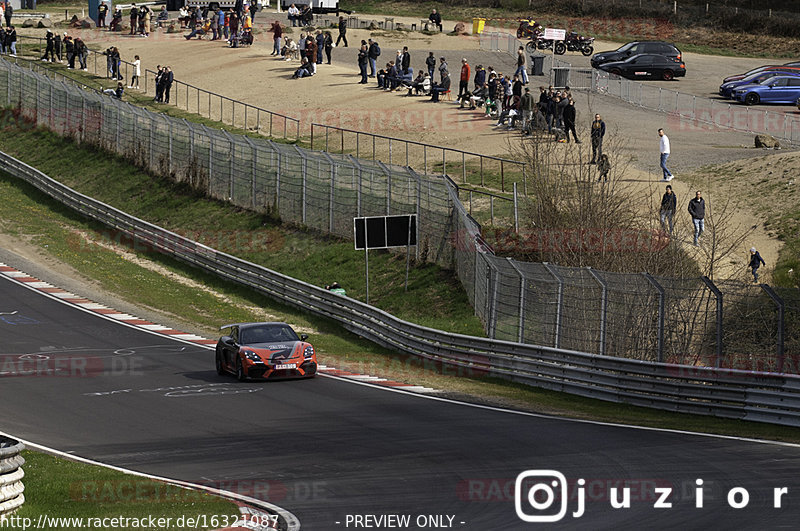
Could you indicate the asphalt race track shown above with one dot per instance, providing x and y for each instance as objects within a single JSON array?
[{"x": 327, "y": 448}]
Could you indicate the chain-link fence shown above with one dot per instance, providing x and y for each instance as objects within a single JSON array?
[{"x": 689, "y": 321}]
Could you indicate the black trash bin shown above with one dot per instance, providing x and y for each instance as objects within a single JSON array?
[
  {"x": 561, "y": 77},
  {"x": 537, "y": 65}
]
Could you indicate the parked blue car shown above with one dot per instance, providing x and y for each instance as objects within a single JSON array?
[
  {"x": 726, "y": 89},
  {"x": 779, "y": 89}
]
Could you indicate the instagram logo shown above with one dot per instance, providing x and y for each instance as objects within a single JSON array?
[{"x": 535, "y": 493}]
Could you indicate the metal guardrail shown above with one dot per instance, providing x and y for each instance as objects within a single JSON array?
[
  {"x": 11, "y": 474},
  {"x": 430, "y": 157},
  {"x": 728, "y": 393}
]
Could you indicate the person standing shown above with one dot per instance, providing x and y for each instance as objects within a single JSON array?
[
  {"x": 277, "y": 34},
  {"x": 569, "y": 116},
  {"x": 137, "y": 71},
  {"x": 169, "y": 78},
  {"x": 598, "y": 132},
  {"x": 57, "y": 46},
  {"x": 342, "y": 32},
  {"x": 405, "y": 61},
  {"x": 430, "y": 62},
  {"x": 134, "y": 18},
  {"x": 363, "y": 58},
  {"x": 159, "y": 84},
  {"x": 102, "y": 11},
  {"x": 49, "y": 52},
  {"x": 669, "y": 203},
  {"x": 328, "y": 44},
  {"x": 320, "y": 42},
  {"x": 527, "y": 105},
  {"x": 9, "y": 13},
  {"x": 442, "y": 70},
  {"x": 11, "y": 40},
  {"x": 755, "y": 262},
  {"x": 665, "y": 149},
  {"x": 523, "y": 75},
  {"x": 374, "y": 53},
  {"x": 697, "y": 209},
  {"x": 69, "y": 47},
  {"x": 463, "y": 85}
]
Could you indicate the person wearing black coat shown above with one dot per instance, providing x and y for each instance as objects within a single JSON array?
[
  {"x": 405, "y": 62},
  {"x": 568, "y": 116},
  {"x": 697, "y": 209},
  {"x": 159, "y": 84},
  {"x": 69, "y": 46},
  {"x": 436, "y": 19},
  {"x": 430, "y": 62},
  {"x": 320, "y": 39},
  {"x": 49, "y": 52},
  {"x": 11, "y": 40},
  {"x": 342, "y": 32},
  {"x": 9, "y": 13},
  {"x": 669, "y": 204},
  {"x": 363, "y": 59},
  {"x": 58, "y": 47},
  {"x": 328, "y": 45},
  {"x": 168, "y": 79}
]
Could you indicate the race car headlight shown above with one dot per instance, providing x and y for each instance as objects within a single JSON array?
[
  {"x": 252, "y": 356},
  {"x": 308, "y": 352}
]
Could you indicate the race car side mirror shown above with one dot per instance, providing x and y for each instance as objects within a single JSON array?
[
  {"x": 228, "y": 340},
  {"x": 303, "y": 337}
]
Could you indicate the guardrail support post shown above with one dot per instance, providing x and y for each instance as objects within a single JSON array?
[
  {"x": 491, "y": 287},
  {"x": 661, "y": 308},
  {"x": 559, "y": 307},
  {"x": 516, "y": 211},
  {"x": 718, "y": 295},
  {"x": 781, "y": 306}
]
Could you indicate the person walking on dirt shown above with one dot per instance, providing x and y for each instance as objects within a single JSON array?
[
  {"x": 669, "y": 204},
  {"x": 442, "y": 70},
  {"x": 755, "y": 262},
  {"x": 49, "y": 52},
  {"x": 342, "y": 32},
  {"x": 363, "y": 59},
  {"x": 598, "y": 132},
  {"x": 277, "y": 35},
  {"x": 374, "y": 52},
  {"x": 665, "y": 155},
  {"x": 697, "y": 209}
]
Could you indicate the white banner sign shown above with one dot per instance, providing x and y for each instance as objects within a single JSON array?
[{"x": 551, "y": 34}]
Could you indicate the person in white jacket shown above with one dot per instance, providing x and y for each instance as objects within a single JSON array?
[
  {"x": 137, "y": 71},
  {"x": 665, "y": 150}
]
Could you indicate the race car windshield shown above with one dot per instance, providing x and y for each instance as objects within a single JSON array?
[{"x": 267, "y": 334}]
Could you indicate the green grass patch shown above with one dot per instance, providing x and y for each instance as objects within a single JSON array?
[
  {"x": 29, "y": 215},
  {"x": 60, "y": 488}
]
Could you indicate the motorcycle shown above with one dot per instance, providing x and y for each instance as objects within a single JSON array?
[
  {"x": 527, "y": 28},
  {"x": 538, "y": 42},
  {"x": 575, "y": 43}
]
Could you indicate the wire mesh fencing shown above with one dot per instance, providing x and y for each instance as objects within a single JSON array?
[{"x": 683, "y": 321}]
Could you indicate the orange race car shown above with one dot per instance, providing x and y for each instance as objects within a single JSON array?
[{"x": 266, "y": 351}]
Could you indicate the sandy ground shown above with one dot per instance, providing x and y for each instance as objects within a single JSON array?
[{"x": 334, "y": 97}]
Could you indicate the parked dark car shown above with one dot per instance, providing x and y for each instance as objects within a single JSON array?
[
  {"x": 636, "y": 48},
  {"x": 759, "y": 78},
  {"x": 785, "y": 67},
  {"x": 646, "y": 66}
]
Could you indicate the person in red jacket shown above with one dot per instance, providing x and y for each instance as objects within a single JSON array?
[{"x": 463, "y": 86}]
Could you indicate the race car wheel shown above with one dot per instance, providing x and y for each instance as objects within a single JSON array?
[
  {"x": 560, "y": 48},
  {"x": 240, "y": 374},
  {"x": 751, "y": 99},
  {"x": 218, "y": 363},
  {"x": 667, "y": 75}
]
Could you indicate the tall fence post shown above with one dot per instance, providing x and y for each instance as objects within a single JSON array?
[
  {"x": 661, "y": 308},
  {"x": 559, "y": 307},
  {"x": 521, "y": 308},
  {"x": 718, "y": 295},
  {"x": 603, "y": 308},
  {"x": 781, "y": 306},
  {"x": 253, "y": 171},
  {"x": 516, "y": 211},
  {"x": 491, "y": 302}
]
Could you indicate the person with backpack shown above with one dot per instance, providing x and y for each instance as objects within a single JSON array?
[
  {"x": 374, "y": 52},
  {"x": 342, "y": 32}
]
